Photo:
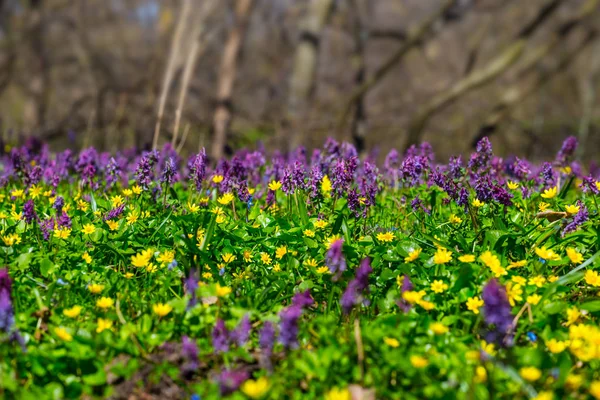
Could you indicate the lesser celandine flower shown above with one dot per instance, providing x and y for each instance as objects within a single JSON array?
[
  {"x": 514, "y": 292},
  {"x": 413, "y": 255},
  {"x": 161, "y": 309},
  {"x": 439, "y": 286},
  {"x": 477, "y": 203},
  {"x": 455, "y": 219},
  {"x": 467, "y": 258},
  {"x": 280, "y": 252},
  {"x": 222, "y": 291},
  {"x": 63, "y": 334},
  {"x": 309, "y": 233},
  {"x": 474, "y": 304},
  {"x": 418, "y": 361},
  {"x": 228, "y": 257},
  {"x": 385, "y": 237},
  {"x": 265, "y": 258},
  {"x": 274, "y": 185},
  {"x": 546, "y": 254},
  {"x": 338, "y": 394},
  {"x": 442, "y": 256},
  {"x": 255, "y": 389},
  {"x": 537, "y": 281},
  {"x": 592, "y": 278},
  {"x": 543, "y": 206},
  {"x": 72, "y": 312},
  {"x": 86, "y": 257},
  {"x": 519, "y": 280},
  {"x": 225, "y": 199},
  {"x": 534, "y": 299},
  {"x": 438, "y": 328},
  {"x": 573, "y": 315},
  {"x": 512, "y": 185},
  {"x": 556, "y": 346},
  {"x": 595, "y": 389},
  {"x": 572, "y": 209},
  {"x": 217, "y": 178},
  {"x": 392, "y": 342},
  {"x": 517, "y": 264},
  {"x": 103, "y": 324},
  {"x": 320, "y": 224},
  {"x": 493, "y": 263},
  {"x": 105, "y": 303},
  {"x": 550, "y": 193},
  {"x": 530, "y": 374},
  {"x": 575, "y": 256}
]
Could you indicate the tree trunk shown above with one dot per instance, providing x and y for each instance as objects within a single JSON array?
[
  {"x": 227, "y": 74},
  {"x": 302, "y": 81}
]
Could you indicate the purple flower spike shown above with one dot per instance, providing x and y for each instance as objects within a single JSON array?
[
  {"x": 406, "y": 286},
  {"x": 189, "y": 351},
  {"x": 497, "y": 313},
  {"x": 303, "y": 299},
  {"x": 220, "y": 337},
  {"x": 29, "y": 214},
  {"x": 578, "y": 220},
  {"x": 241, "y": 333},
  {"x": 266, "y": 338},
  {"x": 335, "y": 258},
  {"x": 354, "y": 293},
  {"x": 230, "y": 381},
  {"x": 288, "y": 328}
]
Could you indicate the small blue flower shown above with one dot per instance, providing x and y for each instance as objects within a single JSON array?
[
  {"x": 195, "y": 397},
  {"x": 61, "y": 282},
  {"x": 172, "y": 265},
  {"x": 222, "y": 272},
  {"x": 532, "y": 336}
]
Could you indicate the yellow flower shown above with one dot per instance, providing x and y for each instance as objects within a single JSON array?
[
  {"x": 467, "y": 258},
  {"x": 438, "y": 328},
  {"x": 116, "y": 201},
  {"x": 228, "y": 257},
  {"x": 442, "y": 256},
  {"x": 161, "y": 309},
  {"x": 544, "y": 395},
  {"x": 72, "y": 312},
  {"x": 572, "y": 209},
  {"x": 439, "y": 286},
  {"x": 413, "y": 255},
  {"x": 427, "y": 305},
  {"x": 488, "y": 348},
  {"x": 95, "y": 288},
  {"x": 86, "y": 257},
  {"x": 137, "y": 189},
  {"x": 552, "y": 278},
  {"x": 112, "y": 225},
  {"x": 514, "y": 292},
  {"x": 455, "y": 219},
  {"x": 392, "y": 342},
  {"x": 276, "y": 267},
  {"x": 530, "y": 374},
  {"x": 308, "y": 233},
  {"x": 575, "y": 256},
  {"x": 193, "y": 207},
  {"x": 550, "y": 193},
  {"x": 141, "y": 260},
  {"x": 320, "y": 224},
  {"x": 323, "y": 270},
  {"x": 255, "y": 389},
  {"x": 132, "y": 217},
  {"x": 556, "y": 346},
  {"x": 11, "y": 239},
  {"x": 17, "y": 193},
  {"x": 543, "y": 206},
  {"x": 63, "y": 334},
  {"x": 225, "y": 199},
  {"x": 493, "y": 263},
  {"x": 519, "y": 280},
  {"x": 338, "y": 394},
  {"x": 88, "y": 229},
  {"x": 477, "y": 203},
  {"x": 326, "y": 186},
  {"x": 534, "y": 299},
  {"x": 127, "y": 192},
  {"x": 217, "y": 178},
  {"x": 573, "y": 381},
  {"x": 598, "y": 185},
  {"x": 35, "y": 191},
  {"x": 537, "y": 281},
  {"x": 280, "y": 252},
  {"x": 474, "y": 304},
  {"x": 573, "y": 315},
  {"x": 103, "y": 324},
  {"x": 546, "y": 254},
  {"x": 275, "y": 185},
  {"x": 128, "y": 275},
  {"x": 82, "y": 205},
  {"x": 223, "y": 291},
  {"x": 331, "y": 240},
  {"x": 166, "y": 257},
  {"x": 512, "y": 185},
  {"x": 412, "y": 296},
  {"x": 385, "y": 237},
  {"x": 311, "y": 262},
  {"x": 592, "y": 278},
  {"x": 480, "y": 374},
  {"x": 418, "y": 361},
  {"x": 105, "y": 303},
  {"x": 220, "y": 219},
  {"x": 207, "y": 275},
  {"x": 517, "y": 264},
  {"x": 62, "y": 233},
  {"x": 265, "y": 258}
]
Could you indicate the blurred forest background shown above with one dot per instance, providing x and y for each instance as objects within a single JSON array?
[{"x": 229, "y": 73}]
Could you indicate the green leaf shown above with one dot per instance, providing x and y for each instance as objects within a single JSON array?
[{"x": 591, "y": 306}]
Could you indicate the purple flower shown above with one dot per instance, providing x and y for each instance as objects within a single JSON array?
[
  {"x": 497, "y": 313},
  {"x": 354, "y": 293},
  {"x": 220, "y": 337},
  {"x": 335, "y": 258},
  {"x": 480, "y": 160},
  {"x": 29, "y": 214},
  {"x": 303, "y": 299},
  {"x": 189, "y": 351},
  {"x": 59, "y": 203},
  {"x": 589, "y": 185},
  {"x": 46, "y": 226},
  {"x": 144, "y": 173},
  {"x": 64, "y": 221},
  {"x": 578, "y": 220},
  {"x": 190, "y": 286},
  {"x": 7, "y": 313},
  {"x": 230, "y": 380},
  {"x": 567, "y": 150},
  {"x": 198, "y": 169},
  {"x": 241, "y": 333},
  {"x": 547, "y": 175},
  {"x": 168, "y": 172},
  {"x": 113, "y": 172},
  {"x": 114, "y": 213},
  {"x": 288, "y": 327},
  {"x": 406, "y": 286},
  {"x": 266, "y": 338}
]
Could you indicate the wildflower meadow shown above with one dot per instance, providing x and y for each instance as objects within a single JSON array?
[{"x": 323, "y": 275}]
